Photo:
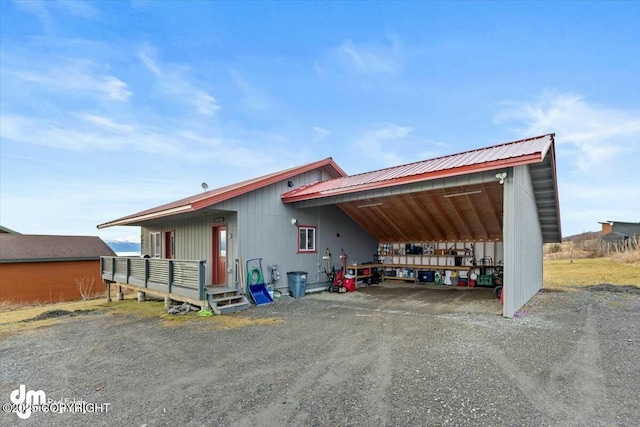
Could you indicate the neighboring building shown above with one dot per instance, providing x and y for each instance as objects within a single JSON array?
[
  {"x": 7, "y": 230},
  {"x": 498, "y": 203},
  {"x": 44, "y": 268},
  {"x": 618, "y": 231}
]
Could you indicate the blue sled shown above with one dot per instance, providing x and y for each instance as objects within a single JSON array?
[{"x": 260, "y": 294}]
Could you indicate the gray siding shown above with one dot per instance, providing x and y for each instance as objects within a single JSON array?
[
  {"x": 193, "y": 238},
  {"x": 522, "y": 241},
  {"x": 259, "y": 226},
  {"x": 626, "y": 228}
]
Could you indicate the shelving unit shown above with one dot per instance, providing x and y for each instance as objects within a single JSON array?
[
  {"x": 363, "y": 272},
  {"x": 406, "y": 260}
]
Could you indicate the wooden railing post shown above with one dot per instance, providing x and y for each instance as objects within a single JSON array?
[
  {"x": 128, "y": 269},
  {"x": 147, "y": 262},
  {"x": 170, "y": 278},
  {"x": 201, "y": 279}
]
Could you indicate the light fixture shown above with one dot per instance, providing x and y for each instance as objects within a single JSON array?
[
  {"x": 370, "y": 205},
  {"x": 294, "y": 221},
  {"x": 465, "y": 193},
  {"x": 501, "y": 176}
]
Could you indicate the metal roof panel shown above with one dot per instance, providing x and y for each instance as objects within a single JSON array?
[{"x": 509, "y": 154}]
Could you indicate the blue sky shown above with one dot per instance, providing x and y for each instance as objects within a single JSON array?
[{"x": 109, "y": 108}]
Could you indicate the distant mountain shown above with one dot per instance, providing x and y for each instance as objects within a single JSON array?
[
  {"x": 125, "y": 247},
  {"x": 587, "y": 235}
]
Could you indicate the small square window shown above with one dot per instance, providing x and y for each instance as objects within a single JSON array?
[{"x": 306, "y": 239}]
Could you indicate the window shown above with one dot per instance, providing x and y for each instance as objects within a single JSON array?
[
  {"x": 306, "y": 239},
  {"x": 223, "y": 242},
  {"x": 154, "y": 248}
]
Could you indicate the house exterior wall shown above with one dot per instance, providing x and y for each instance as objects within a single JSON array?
[
  {"x": 259, "y": 226},
  {"x": 193, "y": 238},
  {"x": 626, "y": 228},
  {"x": 606, "y": 228},
  {"x": 522, "y": 241},
  {"x": 47, "y": 282}
]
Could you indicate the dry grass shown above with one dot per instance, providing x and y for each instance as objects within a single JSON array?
[
  {"x": 561, "y": 273},
  {"x": 16, "y": 319},
  {"x": 629, "y": 257}
]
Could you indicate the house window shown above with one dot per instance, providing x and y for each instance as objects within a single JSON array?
[
  {"x": 306, "y": 239},
  {"x": 155, "y": 245}
]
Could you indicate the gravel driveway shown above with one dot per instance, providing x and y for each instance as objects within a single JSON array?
[{"x": 376, "y": 357}]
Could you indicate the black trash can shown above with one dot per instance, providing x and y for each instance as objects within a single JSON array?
[{"x": 297, "y": 283}]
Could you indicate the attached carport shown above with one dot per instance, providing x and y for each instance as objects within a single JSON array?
[{"x": 504, "y": 193}]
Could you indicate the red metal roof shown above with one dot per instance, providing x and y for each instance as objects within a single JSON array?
[
  {"x": 211, "y": 197},
  {"x": 525, "y": 151}
]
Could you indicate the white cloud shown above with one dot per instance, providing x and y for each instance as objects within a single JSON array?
[
  {"x": 320, "y": 133},
  {"x": 37, "y": 8},
  {"x": 379, "y": 143},
  {"x": 76, "y": 78},
  {"x": 80, "y": 8},
  {"x": 594, "y": 133},
  {"x": 597, "y": 148},
  {"x": 173, "y": 81},
  {"x": 371, "y": 58},
  {"x": 252, "y": 98}
]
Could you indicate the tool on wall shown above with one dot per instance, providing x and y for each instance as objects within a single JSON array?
[{"x": 275, "y": 276}]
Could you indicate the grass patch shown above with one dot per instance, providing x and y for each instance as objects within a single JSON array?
[
  {"x": 18, "y": 319},
  {"x": 155, "y": 309},
  {"x": 561, "y": 273}
]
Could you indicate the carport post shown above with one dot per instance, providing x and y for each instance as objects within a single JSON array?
[{"x": 120, "y": 296}]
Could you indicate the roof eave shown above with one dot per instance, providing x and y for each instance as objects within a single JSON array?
[
  {"x": 446, "y": 173},
  {"x": 234, "y": 192},
  {"x": 147, "y": 217}
]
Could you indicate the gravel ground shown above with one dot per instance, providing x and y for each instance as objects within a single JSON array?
[{"x": 377, "y": 357}]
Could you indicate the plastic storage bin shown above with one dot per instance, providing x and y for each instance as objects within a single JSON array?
[
  {"x": 426, "y": 276},
  {"x": 297, "y": 283}
]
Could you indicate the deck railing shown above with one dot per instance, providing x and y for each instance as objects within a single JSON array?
[{"x": 180, "y": 277}]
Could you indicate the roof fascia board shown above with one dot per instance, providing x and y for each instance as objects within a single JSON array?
[
  {"x": 264, "y": 183},
  {"x": 419, "y": 186},
  {"x": 552, "y": 158},
  {"x": 236, "y": 191},
  {"x": 497, "y": 164},
  {"x": 154, "y": 215}
]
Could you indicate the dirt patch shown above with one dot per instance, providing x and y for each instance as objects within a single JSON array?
[
  {"x": 12, "y": 314},
  {"x": 607, "y": 287},
  {"x": 54, "y": 314}
]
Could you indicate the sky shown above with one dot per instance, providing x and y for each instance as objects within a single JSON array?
[{"x": 108, "y": 108}]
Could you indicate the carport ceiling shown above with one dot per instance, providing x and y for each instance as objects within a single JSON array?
[{"x": 470, "y": 212}]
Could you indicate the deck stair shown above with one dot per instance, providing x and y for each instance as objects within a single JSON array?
[{"x": 226, "y": 300}]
